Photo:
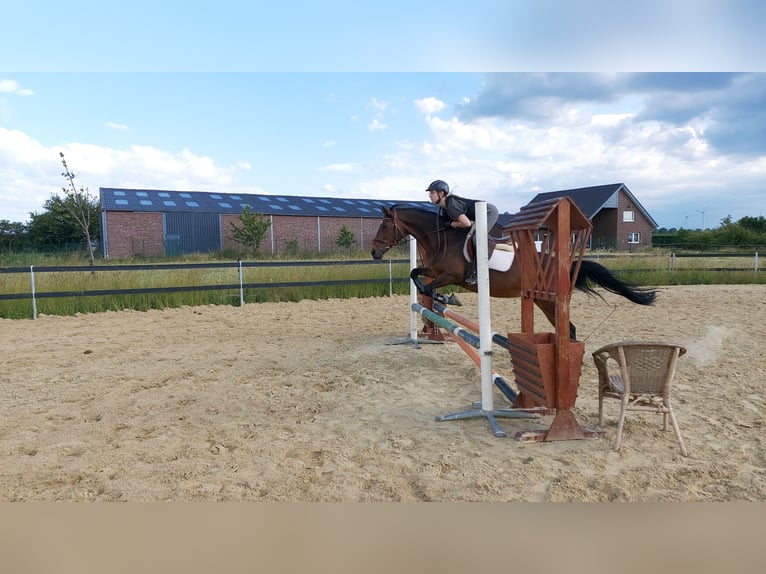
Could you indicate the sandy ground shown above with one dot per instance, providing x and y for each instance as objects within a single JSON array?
[{"x": 308, "y": 402}]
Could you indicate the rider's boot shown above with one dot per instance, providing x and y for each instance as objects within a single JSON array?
[{"x": 471, "y": 274}]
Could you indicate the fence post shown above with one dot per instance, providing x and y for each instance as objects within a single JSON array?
[
  {"x": 755, "y": 266},
  {"x": 241, "y": 289},
  {"x": 34, "y": 299}
]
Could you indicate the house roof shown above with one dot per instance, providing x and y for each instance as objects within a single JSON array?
[
  {"x": 591, "y": 200},
  {"x": 153, "y": 200}
]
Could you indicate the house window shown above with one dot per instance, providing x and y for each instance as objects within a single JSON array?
[
  {"x": 629, "y": 215},
  {"x": 634, "y": 237}
]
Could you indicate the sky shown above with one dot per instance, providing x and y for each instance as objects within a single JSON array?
[{"x": 362, "y": 100}]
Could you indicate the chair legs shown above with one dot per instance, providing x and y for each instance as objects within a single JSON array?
[
  {"x": 668, "y": 413},
  {"x": 673, "y": 421},
  {"x": 620, "y": 424}
]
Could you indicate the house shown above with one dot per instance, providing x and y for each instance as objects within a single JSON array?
[
  {"x": 150, "y": 222},
  {"x": 619, "y": 220}
]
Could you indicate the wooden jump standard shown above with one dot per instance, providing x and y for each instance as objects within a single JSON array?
[{"x": 547, "y": 366}]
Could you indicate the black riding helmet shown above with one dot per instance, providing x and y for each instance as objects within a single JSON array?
[{"x": 438, "y": 185}]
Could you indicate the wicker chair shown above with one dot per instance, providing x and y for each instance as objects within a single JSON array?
[{"x": 641, "y": 376}]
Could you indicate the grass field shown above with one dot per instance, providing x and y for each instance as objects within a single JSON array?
[{"x": 194, "y": 282}]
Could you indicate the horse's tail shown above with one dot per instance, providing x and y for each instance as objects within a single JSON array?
[{"x": 592, "y": 272}]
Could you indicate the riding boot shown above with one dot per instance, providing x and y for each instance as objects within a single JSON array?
[{"x": 471, "y": 274}]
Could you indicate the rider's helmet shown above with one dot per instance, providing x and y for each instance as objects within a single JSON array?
[{"x": 438, "y": 185}]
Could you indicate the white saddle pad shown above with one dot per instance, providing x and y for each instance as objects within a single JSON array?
[{"x": 502, "y": 257}]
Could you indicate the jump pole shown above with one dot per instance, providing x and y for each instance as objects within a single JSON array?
[
  {"x": 413, "y": 337},
  {"x": 486, "y": 407}
]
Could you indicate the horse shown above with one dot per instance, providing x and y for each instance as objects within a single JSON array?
[{"x": 440, "y": 248}]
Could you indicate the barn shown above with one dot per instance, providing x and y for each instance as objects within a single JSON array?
[
  {"x": 146, "y": 222},
  {"x": 619, "y": 220}
]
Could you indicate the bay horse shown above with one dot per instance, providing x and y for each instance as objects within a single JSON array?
[{"x": 440, "y": 248}]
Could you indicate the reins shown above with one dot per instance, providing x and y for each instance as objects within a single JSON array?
[{"x": 441, "y": 245}]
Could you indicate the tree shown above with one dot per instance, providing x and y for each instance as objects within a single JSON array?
[
  {"x": 11, "y": 234},
  {"x": 79, "y": 206},
  {"x": 254, "y": 227},
  {"x": 56, "y": 225},
  {"x": 345, "y": 237}
]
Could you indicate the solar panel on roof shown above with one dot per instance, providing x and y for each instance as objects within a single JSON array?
[
  {"x": 141, "y": 194},
  {"x": 274, "y": 206},
  {"x": 307, "y": 200},
  {"x": 185, "y": 195},
  {"x": 192, "y": 204},
  {"x": 215, "y": 196},
  {"x": 283, "y": 199},
  {"x": 295, "y": 207},
  {"x": 325, "y": 201},
  {"x": 119, "y": 193},
  {"x": 225, "y": 204},
  {"x": 146, "y": 202},
  {"x": 169, "y": 203},
  {"x": 121, "y": 201},
  {"x": 321, "y": 208},
  {"x": 235, "y": 197},
  {"x": 264, "y": 198},
  {"x": 339, "y": 208},
  {"x": 163, "y": 194}
]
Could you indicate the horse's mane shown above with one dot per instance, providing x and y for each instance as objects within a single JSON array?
[{"x": 410, "y": 207}]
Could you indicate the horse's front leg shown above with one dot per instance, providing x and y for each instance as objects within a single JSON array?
[{"x": 429, "y": 289}]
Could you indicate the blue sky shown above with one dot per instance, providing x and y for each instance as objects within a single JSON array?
[{"x": 352, "y": 99}]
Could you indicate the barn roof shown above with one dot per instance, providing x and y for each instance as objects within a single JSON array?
[
  {"x": 154, "y": 200},
  {"x": 593, "y": 199}
]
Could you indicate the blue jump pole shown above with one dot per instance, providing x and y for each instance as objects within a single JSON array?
[{"x": 469, "y": 338}]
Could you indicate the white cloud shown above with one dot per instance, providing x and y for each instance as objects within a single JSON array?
[
  {"x": 31, "y": 172},
  {"x": 380, "y": 105},
  {"x": 377, "y": 125},
  {"x": 429, "y": 106},
  {"x": 117, "y": 127},
  {"x": 13, "y": 87},
  {"x": 330, "y": 143}
]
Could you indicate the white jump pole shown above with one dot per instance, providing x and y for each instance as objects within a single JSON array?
[
  {"x": 413, "y": 337},
  {"x": 485, "y": 322},
  {"x": 413, "y": 290}
]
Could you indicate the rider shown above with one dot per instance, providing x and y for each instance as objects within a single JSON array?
[{"x": 461, "y": 212}]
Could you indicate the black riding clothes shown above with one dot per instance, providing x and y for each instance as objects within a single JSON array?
[{"x": 455, "y": 206}]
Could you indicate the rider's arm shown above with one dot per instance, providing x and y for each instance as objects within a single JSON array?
[{"x": 462, "y": 221}]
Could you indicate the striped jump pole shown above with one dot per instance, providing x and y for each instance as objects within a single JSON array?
[
  {"x": 468, "y": 341},
  {"x": 484, "y": 340},
  {"x": 445, "y": 311}
]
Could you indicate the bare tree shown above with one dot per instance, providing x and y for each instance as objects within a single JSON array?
[{"x": 79, "y": 206}]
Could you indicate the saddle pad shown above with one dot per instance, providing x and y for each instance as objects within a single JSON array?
[{"x": 501, "y": 258}]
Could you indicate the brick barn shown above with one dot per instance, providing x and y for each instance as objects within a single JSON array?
[
  {"x": 147, "y": 222},
  {"x": 619, "y": 220}
]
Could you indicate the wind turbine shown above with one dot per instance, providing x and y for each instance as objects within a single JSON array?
[{"x": 702, "y": 211}]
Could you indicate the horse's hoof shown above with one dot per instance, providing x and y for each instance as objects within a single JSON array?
[{"x": 452, "y": 300}]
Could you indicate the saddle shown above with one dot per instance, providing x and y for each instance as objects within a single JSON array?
[{"x": 499, "y": 252}]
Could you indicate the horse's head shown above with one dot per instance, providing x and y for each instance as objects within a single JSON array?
[{"x": 388, "y": 234}]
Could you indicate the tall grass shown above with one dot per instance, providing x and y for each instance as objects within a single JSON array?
[
  {"x": 641, "y": 269},
  {"x": 344, "y": 277}
]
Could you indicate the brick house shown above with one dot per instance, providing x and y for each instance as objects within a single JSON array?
[
  {"x": 619, "y": 220},
  {"x": 160, "y": 222}
]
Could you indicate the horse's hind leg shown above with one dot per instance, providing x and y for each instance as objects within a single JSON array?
[{"x": 549, "y": 310}]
